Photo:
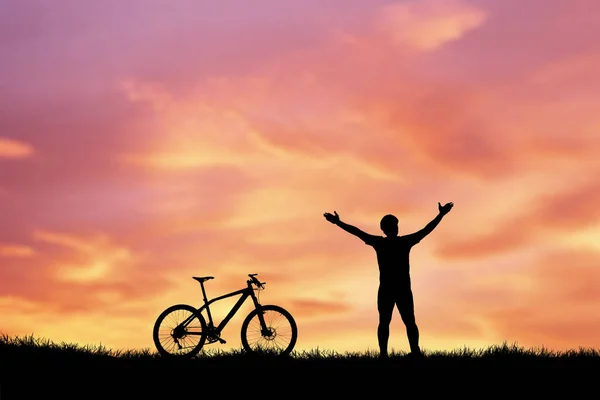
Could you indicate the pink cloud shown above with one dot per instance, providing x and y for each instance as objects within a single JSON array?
[
  {"x": 427, "y": 25},
  {"x": 10, "y": 148},
  {"x": 223, "y": 149}
]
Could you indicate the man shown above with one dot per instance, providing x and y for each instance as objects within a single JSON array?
[{"x": 394, "y": 273}]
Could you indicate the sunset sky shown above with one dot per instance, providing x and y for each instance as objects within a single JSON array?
[{"x": 143, "y": 142}]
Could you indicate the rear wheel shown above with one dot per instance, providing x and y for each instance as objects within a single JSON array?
[
  {"x": 279, "y": 337},
  {"x": 173, "y": 338}
]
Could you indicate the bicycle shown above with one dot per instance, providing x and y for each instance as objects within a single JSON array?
[{"x": 261, "y": 325}]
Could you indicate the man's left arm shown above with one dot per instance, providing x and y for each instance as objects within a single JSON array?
[{"x": 443, "y": 210}]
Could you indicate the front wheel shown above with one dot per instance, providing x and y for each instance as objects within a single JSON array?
[
  {"x": 180, "y": 330},
  {"x": 278, "y": 335}
]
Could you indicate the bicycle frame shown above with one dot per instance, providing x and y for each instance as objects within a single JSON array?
[{"x": 245, "y": 293}]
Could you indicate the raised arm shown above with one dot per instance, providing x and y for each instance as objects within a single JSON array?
[
  {"x": 443, "y": 210},
  {"x": 335, "y": 219}
]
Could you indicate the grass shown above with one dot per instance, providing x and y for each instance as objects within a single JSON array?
[
  {"x": 35, "y": 349},
  {"x": 27, "y": 356}
]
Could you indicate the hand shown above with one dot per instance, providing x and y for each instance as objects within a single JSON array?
[
  {"x": 333, "y": 218},
  {"x": 445, "y": 209}
]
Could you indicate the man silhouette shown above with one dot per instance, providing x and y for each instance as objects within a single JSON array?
[{"x": 394, "y": 273}]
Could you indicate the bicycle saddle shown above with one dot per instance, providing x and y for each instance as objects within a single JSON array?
[{"x": 203, "y": 278}]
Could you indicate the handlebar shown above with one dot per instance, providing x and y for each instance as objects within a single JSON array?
[{"x": 253, "y": 280}]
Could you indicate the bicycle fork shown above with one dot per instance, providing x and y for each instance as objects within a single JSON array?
[{"x": 265, "y": 331}]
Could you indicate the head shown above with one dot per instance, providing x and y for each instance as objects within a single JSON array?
[{"x": 389, "y": 225}]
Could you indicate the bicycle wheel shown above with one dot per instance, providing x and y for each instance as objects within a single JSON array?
[
  {"x": 278, "y": 339},
  {"x": 172, "y": 338}
]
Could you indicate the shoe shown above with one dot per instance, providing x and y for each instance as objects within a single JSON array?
[{"x": 416, "y": 354}]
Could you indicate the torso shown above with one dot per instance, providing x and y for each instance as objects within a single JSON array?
[{"x": 393, "y": 259}]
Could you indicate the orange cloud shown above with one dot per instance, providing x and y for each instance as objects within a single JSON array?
[
  {"x": 428, "y": 25},
  {"x": 549, "y": 216},
  {"x": 10, "y": 148},
  {"x": 13, "y": 250},
  {"x": 315, "y": 308},
  {"x": 548, "y": 298},
  {"x": 104, "y": 261},
  {"x": 78, "y": 272},
  {"x": 392, "y": 143},
  {"x": 220, "y": 160},
  {"x": 558, "y": 308}
]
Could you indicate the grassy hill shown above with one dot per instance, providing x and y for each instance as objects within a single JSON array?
[{"x": 31, "y": 367}]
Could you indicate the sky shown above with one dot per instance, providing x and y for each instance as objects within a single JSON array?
[{"x": 143, "y": 142}]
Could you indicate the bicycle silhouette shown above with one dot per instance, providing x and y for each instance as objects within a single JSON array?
[{"x": 267, "y": 330}]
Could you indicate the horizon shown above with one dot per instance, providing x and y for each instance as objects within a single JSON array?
[{"x": 146, "y": 142}]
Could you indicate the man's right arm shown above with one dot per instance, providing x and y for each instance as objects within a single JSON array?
[
  {"x": 335, "y": 219},
  {"x": 354, "y": 231}
]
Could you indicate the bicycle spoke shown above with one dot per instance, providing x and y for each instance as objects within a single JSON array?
[
  {"x": 171, "y": 338},
  {"x": 280, "y": 332}
]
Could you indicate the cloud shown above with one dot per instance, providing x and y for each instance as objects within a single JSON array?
[
  {"x": 551, "y": 216},
  {"x": 104, "y": 260},
  {"x": 547, "y": 297},
  {"x": 571, "y": 71},
  {"x": 429, "y": 24},
  {"x": 15, "y": 250},
  {"x": 205, "y": 132},
  {"x": 214, "y": 152},
  {"x": 400, "y": 115},
  {"x": 315, "y": 308},
  {"x": 11, "y": 148},
  {"x": 74, "y": 272},
  {"x": 559, "y": 307}
]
